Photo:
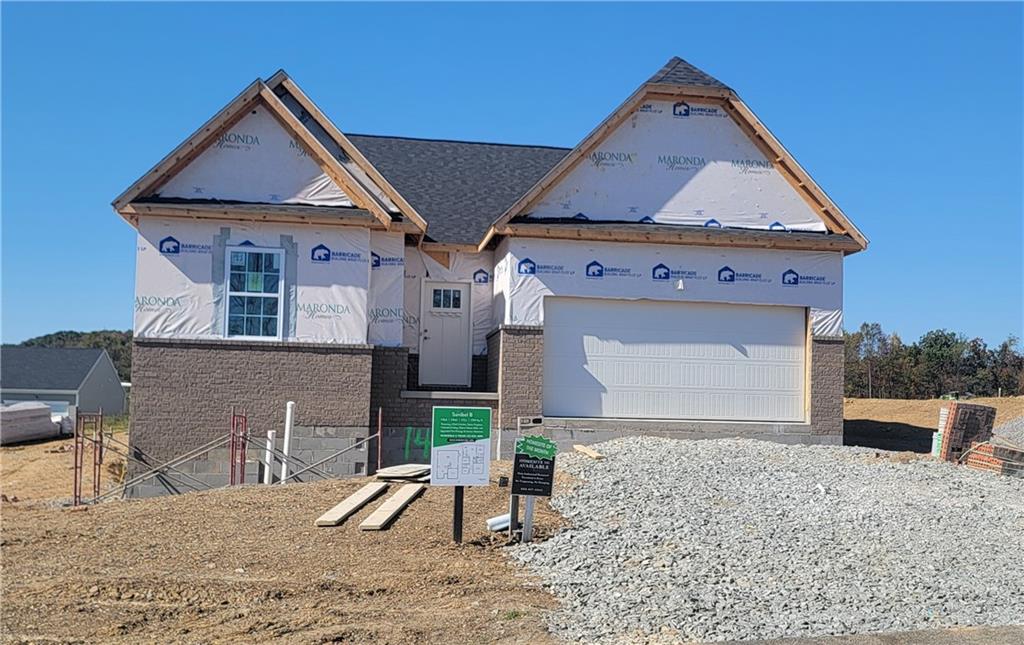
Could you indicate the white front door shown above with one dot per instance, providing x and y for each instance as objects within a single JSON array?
[{"x": 445, "y": 334}]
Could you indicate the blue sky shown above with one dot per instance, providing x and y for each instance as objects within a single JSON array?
[{"x": 909, "y": 115}]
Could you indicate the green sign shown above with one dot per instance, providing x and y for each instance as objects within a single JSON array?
[
  {"x": 460, "y": 447},
  {"x": 533, "y": 467},
  {"x": 537, "y": 447}
]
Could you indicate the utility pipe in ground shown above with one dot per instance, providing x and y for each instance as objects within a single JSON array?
[
  {"x": 268, "y": 458},
  {"x": 289, "y": 420}
]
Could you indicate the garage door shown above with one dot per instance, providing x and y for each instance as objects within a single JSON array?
[{"x": 638, "y": 359}]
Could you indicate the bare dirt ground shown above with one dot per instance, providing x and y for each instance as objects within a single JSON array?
[
  {"x": 247, "y": 565},
  {"x": 897, "y": 424}
]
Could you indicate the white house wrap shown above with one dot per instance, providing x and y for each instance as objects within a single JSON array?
[
  {"x": 181, "y": 268},
  {"x": 476, "y": 268},
  {"x": 680, "y": 163},
  {"x": 387, "y": 270},
  {"x": 530, "y": 269},
  {"x": 256, "y": 161}
]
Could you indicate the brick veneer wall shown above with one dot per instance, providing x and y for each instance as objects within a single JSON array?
[
  {"x": 478, "y": 376},
  {"x": 827, "y": 374},
  {"x": 404, "y": 417},
  {"x": 183, "y": 391},
  {"x": 520, "y": 371}
]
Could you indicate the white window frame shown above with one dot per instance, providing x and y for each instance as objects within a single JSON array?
[{"x": 227, "y": 290}]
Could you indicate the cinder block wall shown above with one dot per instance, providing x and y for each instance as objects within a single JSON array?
[{"x": 183, "y": 391}]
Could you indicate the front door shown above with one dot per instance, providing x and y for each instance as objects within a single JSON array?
[{"x": 445, "y": 350}]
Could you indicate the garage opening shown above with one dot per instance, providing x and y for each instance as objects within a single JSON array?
[{"x": 643, "y": 359}]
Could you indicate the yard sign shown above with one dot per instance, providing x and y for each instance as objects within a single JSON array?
[
  {"x": 533, "y": 471},
  {"x": 460, "y": 450}
]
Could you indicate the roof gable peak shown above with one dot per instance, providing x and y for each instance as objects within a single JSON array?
[{"x": 679, "y": 72}]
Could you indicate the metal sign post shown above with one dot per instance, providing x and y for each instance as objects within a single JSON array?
[
  {"x": 460, "y": 453},
  {"x": 513, "y": 516},
  {"x": 533, "y": 474},
  {"x": 457, "y": 515},
  {"x": 528, "y": 519}
]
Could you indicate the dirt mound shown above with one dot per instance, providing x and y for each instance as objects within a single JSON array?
[
  {"x": 247, "y": 564},
  {"x": 900, "y": 424}
]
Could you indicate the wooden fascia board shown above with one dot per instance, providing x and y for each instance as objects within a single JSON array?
[
  {"x": 444, "y": 247},
  {"x": 350, "y": 149},
  {"x": 696, "y": 92},
  {"x": 323, "y": 157},
  {"x": 697, "y": 236},
  {"x": 188, "y": 149},
  {"x": 221, "y": 212},
  {"x": 834, "y": 217}
]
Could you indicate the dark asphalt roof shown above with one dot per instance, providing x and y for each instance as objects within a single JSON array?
[
  {"x": 46, "y": 368},
  {"x": 459, "y": 187},
  {"x": 678, "y": 72}
]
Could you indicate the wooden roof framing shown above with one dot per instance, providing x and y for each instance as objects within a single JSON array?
[
  {"x": 671, "y": 234},
  {"x": 282, "y": 79},
  {"x": 278, "y": 213},
  {"x": 256, "y": 94},
  {"x": 835, "y": 220}
]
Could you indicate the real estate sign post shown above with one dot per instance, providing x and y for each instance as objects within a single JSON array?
[
  {"x": 533, "y": 474},
  {"x": 460, "y": 453}
]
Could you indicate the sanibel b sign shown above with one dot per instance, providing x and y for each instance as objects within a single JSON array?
[{"x": 460, "y": 448}]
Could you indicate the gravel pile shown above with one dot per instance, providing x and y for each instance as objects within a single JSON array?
[
  {"x": 740, "y": 539},
  {"x": 1011, "y": 431}
]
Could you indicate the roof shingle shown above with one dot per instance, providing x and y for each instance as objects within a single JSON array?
[
  {"x": 678, "y": 72},
  {"x": 46, "y": 368},
  {"x": 459, "y": 187}
]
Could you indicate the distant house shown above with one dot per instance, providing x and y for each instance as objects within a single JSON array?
[{"x": 61, "y": 377}]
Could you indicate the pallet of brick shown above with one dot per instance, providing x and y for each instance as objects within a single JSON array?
[
  {"x": 1011, "y": 459},
  {"x": 996, "y": 458},
  {"x": 966, "y": 424}
]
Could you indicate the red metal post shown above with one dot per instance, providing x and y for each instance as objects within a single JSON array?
[
  {"x": 79, "y": 450},
  {"x": 97, "y": 457},
  {"x": 242, "y": 440},
  {"x": 231, "y": 449}
]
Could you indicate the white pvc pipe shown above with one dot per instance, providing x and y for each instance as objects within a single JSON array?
[
  {"x": 289, "y": 420},
  {"x": 268, "y": 458},
  {"x": 499, "y": 523}
]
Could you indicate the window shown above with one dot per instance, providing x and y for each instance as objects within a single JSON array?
[
  {"x": 447, "y": 299},
  {"x": 255, "y": 282}
]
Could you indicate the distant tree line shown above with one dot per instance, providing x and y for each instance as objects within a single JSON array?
[
  {"x": 881, "y": 365},
  {"x": 117, "y": 343}
]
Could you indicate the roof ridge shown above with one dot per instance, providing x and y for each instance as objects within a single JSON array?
[
  {"x": 475, "y": 143},
  {"x": 681, "y": 72}
]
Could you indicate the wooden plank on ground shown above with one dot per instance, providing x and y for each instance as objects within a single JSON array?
[
  {"x": 392, "y": 506},
  {"x": 405, "y": 470},
  {"x": 590, "y": 452},
  {"x": 351, "y": 504}
]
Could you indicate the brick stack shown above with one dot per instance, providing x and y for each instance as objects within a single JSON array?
[
  {"x": 997, "y": 458},
  {"x": 966, "y": 424}
]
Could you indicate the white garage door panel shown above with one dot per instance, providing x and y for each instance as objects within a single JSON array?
[{"x": 660, "y": 360}]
